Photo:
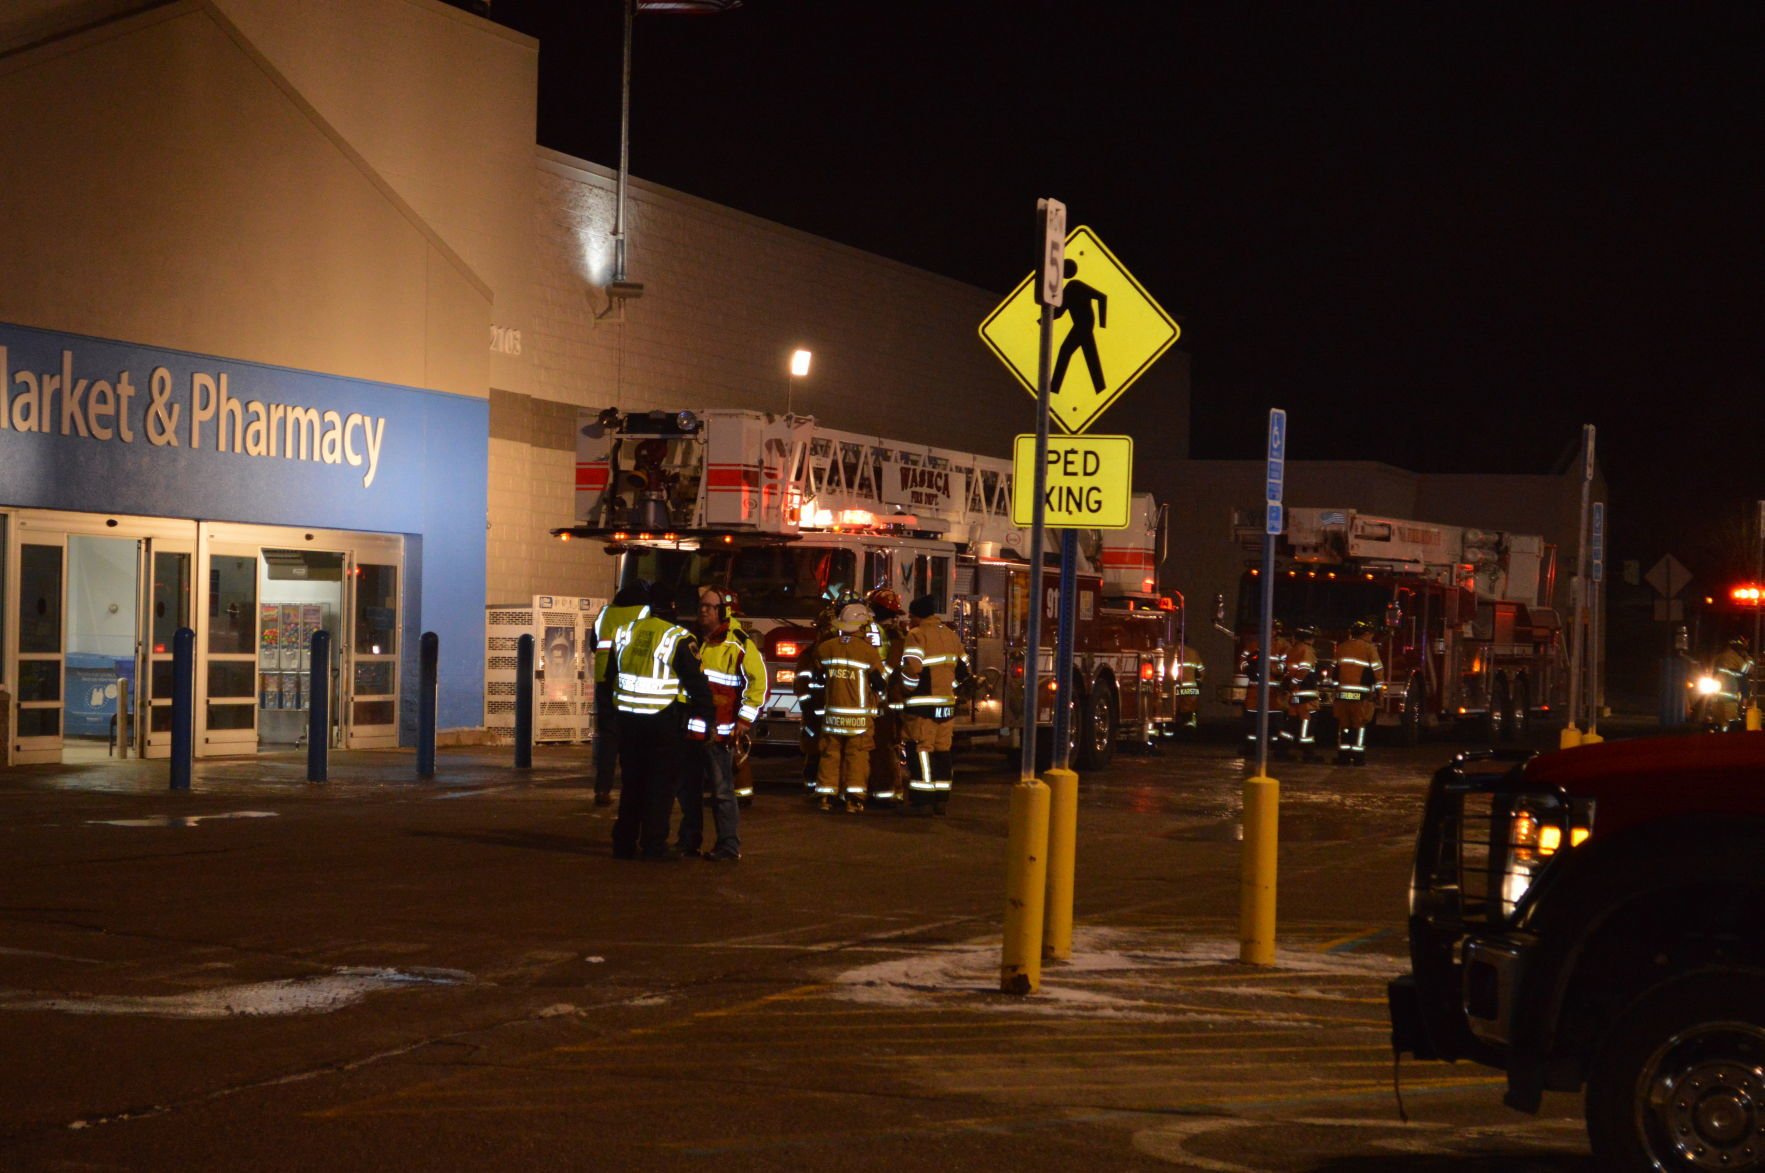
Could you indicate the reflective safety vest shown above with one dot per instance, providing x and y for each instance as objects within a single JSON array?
[
  {"x": 1301, "y": 663},
  {"x": 606, "y": 626},
  {"x": 737, "y": 673},
  {"x": 847, "y": 663},
  {"x": 1187, "y": 671},
  {"x": 1731, "y": 669},
  {"x": 644, "y": 652},
  {"x": 929, "y": 666},
  {"x": 1358, "y": 670}
]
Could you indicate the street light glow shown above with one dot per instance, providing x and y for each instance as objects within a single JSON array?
[{"x": 800, "y": 363}]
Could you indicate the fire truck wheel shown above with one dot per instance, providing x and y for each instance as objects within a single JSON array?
[
  {"x": 1409, "y": 722},
  {"x": 1097, "y": 736},
  {"x": 1495, "y": 718},
  {"x": 1677, "y": 1083},
  {"x": 1519, "y": 721}
]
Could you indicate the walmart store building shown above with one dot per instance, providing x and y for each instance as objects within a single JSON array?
[{"x": 295, "y": 319}]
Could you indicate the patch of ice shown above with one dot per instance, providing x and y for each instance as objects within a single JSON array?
[{"x": 311, "y": 995}]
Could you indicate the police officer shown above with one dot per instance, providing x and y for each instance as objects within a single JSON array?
[
  {"x": 653, "y": 662},
  {"x": 630, "y": 604},
  {"x": 1359, "y": 677},
  {"x": 885, "y": 759},
  {"x": 932, "y": 665},
  {"x": 737, "y": 676},
  {"x": 852, "y": 677},
  {"x": 1301, "y": 688}
]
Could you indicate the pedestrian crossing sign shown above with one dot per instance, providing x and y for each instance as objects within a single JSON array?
[{"x": 1106, "y": 333}]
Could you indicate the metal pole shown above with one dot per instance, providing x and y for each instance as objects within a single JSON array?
[
  {"x": 183, "y": 706},
  {"x": 428, "y": 677},
  {"x": 1066, "y": 697},
  {"x": 1032, "y": 653},
  {"x": 524, "y": 703},
  {"x": 1572, "y": 735},
  {"x": 1268, "y": 640},
  {"x": 318, "y": 717},
  {"x": 1759, "y": 577},
  {"x": 624, "y": 148},
  {"x": 1595, "y": 637}
]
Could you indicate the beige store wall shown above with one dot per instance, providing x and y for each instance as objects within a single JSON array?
[
  {"x": 727, "y": 296},
  {"x": 163, "y": 184},
  {"x": 442, "y": 105}
]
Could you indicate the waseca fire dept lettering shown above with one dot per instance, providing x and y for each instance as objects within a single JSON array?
[
  {"x": 923, "y": 486},
  {"x": 56, "y": 402}
]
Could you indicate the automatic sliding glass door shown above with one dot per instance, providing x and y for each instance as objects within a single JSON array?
[
  {"x": 41, "y": 561},
  {"x": 227, "y": 643}
]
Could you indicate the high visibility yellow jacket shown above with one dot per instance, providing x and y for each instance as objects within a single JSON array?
[
  {"x": 654, "y": 664},
  {"x": 1187, "y": 669},
  {"x": 851, "y": 677},
  {"x": 931, "y": 663},
  {"x": 737, "y": 674},
  {"x": 1298, "y": 672},
  {"x": 1731, "y": 670},
  {"x": 606, "y": 626},
  {"x": 1358, "y": 670}
]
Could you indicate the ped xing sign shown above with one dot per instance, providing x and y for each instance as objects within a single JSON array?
[{"x": 1090, "y": 482}]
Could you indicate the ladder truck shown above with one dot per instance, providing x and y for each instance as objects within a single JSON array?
[
  {"x": 789, "y": 514},
  {"x": 1462, "y": 616}
]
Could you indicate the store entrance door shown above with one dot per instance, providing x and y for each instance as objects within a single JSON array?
[{"x": 300, "y": 592}]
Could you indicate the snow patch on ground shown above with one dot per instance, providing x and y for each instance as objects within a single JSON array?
[{"x": 309, "y": 995}]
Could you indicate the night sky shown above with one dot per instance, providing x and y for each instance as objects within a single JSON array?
[{"x": 1440, "y": 235}]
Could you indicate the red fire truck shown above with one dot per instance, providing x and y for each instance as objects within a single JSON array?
[
  {"x": 789, "y": 515},
  {"x": 1463, "y": 619}
]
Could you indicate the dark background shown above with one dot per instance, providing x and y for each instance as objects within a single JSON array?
[{"x": 1443, "y": 236}]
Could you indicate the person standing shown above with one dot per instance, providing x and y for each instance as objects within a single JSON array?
[
  {"x": 1252, "y": 665},
  {"x": 885, "y": 759},
  {"x": 851, "y": 674},
  {"x": 932, "y": 665},
  {"x": 652, "y": 665},
  {"x": 1188, "y": 671},
  {"x": 737, "y": 676},
  {"x": 807, "y": 684},
  {"x": 629, "y": 604},
  {"x": 1301, "y": 680},
  {"x": 1359, "y": 676},
  {"x": 1733, "y": 670}
]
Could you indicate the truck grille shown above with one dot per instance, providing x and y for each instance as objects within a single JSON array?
[{"x": 1459, "y": 864}]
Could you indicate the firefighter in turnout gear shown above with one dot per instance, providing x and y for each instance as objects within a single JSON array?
[
  {"x": 657, "y": 683},
  {"x": 629, "y": 605},
  {"x": 737, "y": 675},
  {"x": 1359, "y": 677},
  {"x": 851, "y": 672},
  {"x": 809, "y": 687},
  {"x": 885, "y": 759},
  {"x": 1300, "y": 680},
  {"x": 1187, "y": 671},
  {"x": 1251, "y": 666},
  {"x": 932, "y": 665},
  {"x": 1733, "y": 670}
]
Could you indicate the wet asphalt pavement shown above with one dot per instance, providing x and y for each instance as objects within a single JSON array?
[{"x": 268, "y": 974}]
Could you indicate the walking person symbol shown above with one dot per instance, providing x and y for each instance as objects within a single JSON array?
[{"x": 1077, "y": 297}]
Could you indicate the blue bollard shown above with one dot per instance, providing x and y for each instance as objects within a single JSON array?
[
  {"x": 318, "y": 718},
  {"x": 524, "y": 703},
  {"x": 428, "y": 670},
  {"x": 183, "y": 706}
]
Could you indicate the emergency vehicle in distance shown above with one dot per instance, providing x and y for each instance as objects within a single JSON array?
[
  {"x": 789, "y": 515},
  {"x": 1462, "y": 617}
]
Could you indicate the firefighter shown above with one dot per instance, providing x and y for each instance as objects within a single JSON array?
[
  {"x": 885, "y": 759},
  {"x": 932, "y": 665},
  {"x": 1359, "y": 677},
  {"x": 1251, "y": 665},
  {"x": 1733, "y": 670},
  {"x": 737, "y": 675},
  {"x": 852, "y": 680},
  {"x": 806, "y": 682},
  {"x": 630, "y": 604},
  {"x": 1187, "y": 672},
  {"x": 653, "y": 664},
  {"x": 1300, "y": 686}
]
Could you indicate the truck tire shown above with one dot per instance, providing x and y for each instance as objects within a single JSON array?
[
  {"x": 1495, "y": 717},
  {"x": 1677, "y": 1081},
  {"x": 1097, "y": 730},
  {"x": 1409, "y": 721},
  {"x": 1519, "y": 721},
  {"x": 1075, "y": 732}
]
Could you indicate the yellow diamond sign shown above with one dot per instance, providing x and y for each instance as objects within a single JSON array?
[{"x": 1107, "y": 332}]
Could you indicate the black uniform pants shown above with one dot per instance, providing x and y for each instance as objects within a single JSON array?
[
  {"x": 651, "y": 751},
  {"x": 606, "y": 737}
]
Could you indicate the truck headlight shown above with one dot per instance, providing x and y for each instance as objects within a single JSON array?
[
  {"x": 1536, "y": 829},
  {"x": 1708, "y": 686}
]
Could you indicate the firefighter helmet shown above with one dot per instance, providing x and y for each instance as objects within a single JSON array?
[
  {"x": 1360, "y": 629},
  {"x": 1739, "y": 644},
  {"x": 1306, "y": 631},
  {"x": 885, "y": 603},
  {"x": 852, "y": 617}
]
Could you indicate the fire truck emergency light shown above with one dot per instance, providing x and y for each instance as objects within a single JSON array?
[{"x": 1747, "y": 596}]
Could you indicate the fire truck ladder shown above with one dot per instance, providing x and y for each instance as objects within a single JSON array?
[{"x": 841, "y": 472}]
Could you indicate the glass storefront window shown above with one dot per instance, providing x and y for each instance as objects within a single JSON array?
[
  {"x": 171, "y": 599},
  {"x": 39, "y": 600},
  {"x": 376, "y": 611},
  {"x": 232, "y": 606},
  {"x": 373, "y": 677}
]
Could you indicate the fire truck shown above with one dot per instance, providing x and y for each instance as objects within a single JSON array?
[
  {"x": 790, "y": 515},
  {"x": 1462, "y": 616}
]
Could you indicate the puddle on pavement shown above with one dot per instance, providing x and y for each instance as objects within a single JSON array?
[
  {"x": 310, "y": 995},
  {"x": 179, "y": 820}
]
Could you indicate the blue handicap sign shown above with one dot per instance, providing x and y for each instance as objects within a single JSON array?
[
  {"x": 1273, "y": 528},
  {"x": 1597, "y": 547}
]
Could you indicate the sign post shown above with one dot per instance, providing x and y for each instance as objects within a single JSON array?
[
  {"x": 1262, "y": 794},
  {"x": 1571, "y": 735},
  {"x": 1596, "y": 576}
]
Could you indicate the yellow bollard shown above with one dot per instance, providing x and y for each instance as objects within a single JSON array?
[
  {"x": 1591, "y": 737},
  {"x": 1063, "y": 840},
  {"x": 1754, "y": 724},
  {"x": 1256, "y": 887},
  {"x": 1026, "y": 889},
  {"x": 1570, "y": 737}
]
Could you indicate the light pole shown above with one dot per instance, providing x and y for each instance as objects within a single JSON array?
[{"x": 799, "y": 368}]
